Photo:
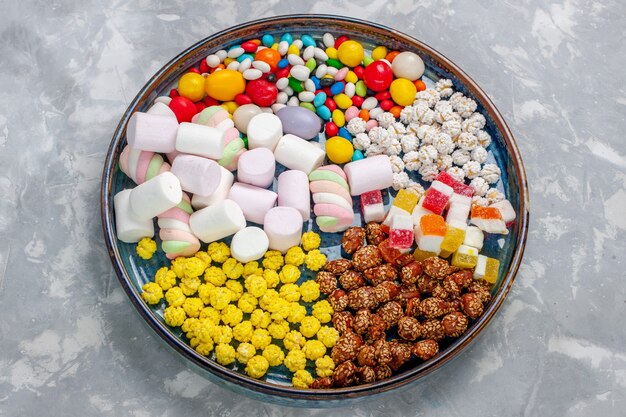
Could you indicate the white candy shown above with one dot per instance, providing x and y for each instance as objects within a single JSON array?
[
  {"x": 165, "y": 223},
  {"x": 393, "y": 212},
  {"x": 235, "y": 52},
  {"x": 293, "y": 102},
  {"x": 200, "y": 140},
  {"x": 481, "y": 267},
  {"x": 329, "y": 198},
  {"x": 419, "y": 212},
  {"x": 161, "y": 109},
  {"x": 293, "y": 191},
  {"x": 309, "y": 85},
  {"x": 264, "y": 131},
  {"x": 254, "y": 202},
  {"x": 256, "y": 167},
  {"x": 152, "y": 132},
  {"x": 220, "y": 193},
  {"x": 282, "y": 98},
  {"x": 428, "y": 243},
  {"x": 458, "y": 212},
  {"x": 233, "y": 66},
  {"x": 252, "y": 74},
  {"x": 213, "y": 60},
  {"x": 128, "y": 228},
  {"x": 506, "y": 209},
  {"x": 320, "y": 54},
  {"x": 283, "y": 47},
  {"x": 163, "y": 99},
  {"x": 283, "y": 226},
  {"x": 263, "y": 67},
  {"x": 197, "y": 175},
  {"x": 321, "y": 71},
  {"x": 217, "y": 221},
  {"x": 308, "y": 53},
  {"x": 373, "y": 173},
  {"x": 277, "y": 106},
  {"x": 350, "y": 90},
  {"x": 155, "y": 196},
  {"x": 474, "y": 237},
  {"x": 297, "y": 153},
  {"x": 295, "y": 59},
  {"x": 306, "y": 96},
  {"x": 332, "y": 71},
  {"x": 282, "y": 83},
  {"x": 249, "y": 244},
  {"x": 221, "y": 54},
  {"x": 369, "y": 103},
  {"x": 244, "y": 66},
  {"x": 408, "y": 65},
  {"x": 329, "y": 40},
  {"x": 300, "y": 72}
]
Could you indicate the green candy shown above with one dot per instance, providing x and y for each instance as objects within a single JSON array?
[
  {"x": 185, "y": 206},
  {"x": 367, "y": 60},
  {"x": 360, "y": 88},
  {"x": 245, "y": 142},
  {"x": 153, "y": 167},
  {"x": 174, "y": 246},
  {"x": 334, "y": 63},
  {"x": 230, "y": 152},
  {"x": 326, "y": 221},
  {"x": 308, "y": 106},
  {"x": 295, "y": 85},
  {"x": 322, "y": 174},
  {"x": 207, "y": 113},
  {"x": 310, "y": 64}
]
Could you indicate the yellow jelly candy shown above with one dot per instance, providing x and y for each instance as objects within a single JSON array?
[
  {"x": 351, "y": 77},
  {"x": 224, "y": 85},
  {"x": 343, "y": 101},
  {"x": 350, "y": 53},
  {"x": 379, "y": 52},
  {"x": 491, "y": 271},
  {"x": 451, "y": 241},
  {"x": 406, "y": 200},
  {"x": 465, "y": 257},
  {"x": 338, "y": 118},
  {"x": 339, "y": 150},
  {"x": 420, "y": 255},
  {"x": 402, "y": 91},
  {"x": 331, "y": 52},
  {"x": 191, "y": 86}
]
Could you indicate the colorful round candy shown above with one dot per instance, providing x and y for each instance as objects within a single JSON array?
[
  {"x": 378, "y": 76},
  {"x": 262, "y": 92},
  {"x": 225, "y": 84},
  {"x": 339, "y": 150},
  {"x": 402, "y": 91},
  {"x": 191, "y": 86},
  {"x": 350, "y": 53},
  {"x": 408, "y": 65},
  {"x": 183, "y": 108}
]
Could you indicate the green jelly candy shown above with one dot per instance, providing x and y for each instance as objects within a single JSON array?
[
  {"x": 360, "y": 88},
  {"x": 308, "y": 106},
  {"x": 367, "y": 60},
  {"x": 174, "y": 246},
  {"x": 334, "y": 63},
  {"x": 326, "y": 221},
  {"x": 310, "y": 64},
  {"x": 295, "y": 85}
]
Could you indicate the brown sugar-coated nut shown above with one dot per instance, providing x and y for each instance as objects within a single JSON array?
[
  {"x": 381, "y": 273},
  {"x": 366, "y": 375},
  {"x": 366, "y": 356},
  {"x": 384, "y": 355},
  {"x": 407, "y": 292},
  {"x": 362, "y": 320},
  {"x": 377, "y": 328},
  {"x": 343, "y": 321},
  {"x": 364, "y": 297},
  {"x": 411, "y": 272},
  {"x": 454, "y": 324},
  {"x": 412, "y": 308},
  {"x": 353, "y": 238},
  {"x": 345, "y": 374},
  {"x": 432, "y": 329},
  {"x": 351, "y": 280},
  {"x": 404, "y": 259},
  {"x": 382, "y": 372},
  {"x": 425, "y": 349},
  {"x": 338, "y": 266},
  {"x": 401, "y": 353},
  {"x": 440, "y": 292},
  {"x": 346, "y": 348},
  {"x": 338, "y": 299},
  {"x": 409, "y": 328},
  {"x": 433, "y": 307},
  {"x": 471, "y": 305},
  {"x": 322, "y": 383},
  {"x": 425, "y": 284},
  {"x": 451, "y": 287},
  {"x": 390, "y": 312},
  {"x": 374, "y": 233},
  {"x": 438, "y": 268},
  {"x": 463, "y": 278},
  {"x": 386, "y": 291},
  {"x": 326, "y": 281},
  {"x": 366, "y": 257},
  {"x": 482, "y": 290}
]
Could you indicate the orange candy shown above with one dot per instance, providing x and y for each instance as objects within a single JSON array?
[
  {"x": 420, "y": 85},
  {"x": 364, "y": 114},
  {"x": 433, "y": 225},
  {"x": 486, "y": 213},
  {"x": 391, "y": 55},
  {"x": 395, "y": 110},
  {"x": 270, "y": 56}
]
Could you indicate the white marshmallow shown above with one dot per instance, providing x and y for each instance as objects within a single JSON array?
[
  {"x": 197, "y": 175},
  {"x": 297, "y": 153},
  {"x": 256, "y": 167},
  {"x": 221, "y": 192},
  {"x": 374, "y": 213},
  {"x": 293, "y": 191},
  {"x": 393, "y": 211},
  {"x": 255, "y": 202},
  {"x": 162, "y": 109},
  {"x": 474, "y": 237},
  {"x": 200, "y": 140},
  {"x": 481, "y": 267},
  {"x": 217, "y": 221},
  {"x": 152, "y": 132},
  {"x": 369, "y": 174},
  {"x": 249, "y": 244},
  {"x": 264, "y": 131},
  {"x": 330, "y": 198},
  {"x": 283, "y": 226},
  {"x": 128, "y": 228},
  {"x": 133, "y": 160},
  {"x": 166, "y": 223},
  {"x": 155, "y": 196}
]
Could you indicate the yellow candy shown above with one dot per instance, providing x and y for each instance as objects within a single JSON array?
[
  {"x": 331, "y": 52},
  {"x": 230, "y": 106},
  {"x": 293, "y": 49},
  {"x": 351, "y": 77},
  {"x": 339, "y": 150},
  {"x": 343, "y": 101},
  {"x": 402, "y": 91},
  {"x": 492, "y": 270},
  {"x": 465, "y": 257},
  {"x": 420, "y": 255},
  {"x": 224, "y": 85},
  {"x": 451, "y": 241},
  {"x": 350, "y": 53},
  {"x": 275, "y": 47},
  {"x": 406, "y": 200},
  {"x": 228, "y": 61},
  {"x": 191, "y": 86},
  {"x": 379, "y": 53},
  {"x": 338, "y": 118}
]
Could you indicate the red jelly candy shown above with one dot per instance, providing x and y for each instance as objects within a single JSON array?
[
  {"x": 359, "y": 71},
  {"x": 386, "y": 105},
  {"x": 195, "y": 70},
  {"x": 378, "y": 76},
  {"x": 204, "y": 67},
  {"x": 371, "y": 197},
  {"x": 401, "y": 239},
  {"x": 282, "y": 73},
  {"x": 457, "y": 186},
  {"x": 183, "y": 108},
  {"x": 330, "y": 103},
  {"x": 331, "y": 129},
  {"x": 200, "y": 106},
  {"x": 357, "y": 100},
  {"x": 388, "y": 253},
  {"x": 435, "y": 201},
  {"x": 210, "y": 101},
  {"x": 249, "y": 46},
  {"x": 174, "y": 93},
  {"x": 340, "y": 40},
  {"x": 262, "y": 92},
  {"x": 383, "y": 95},
  {"x": 242, "y": 99}
]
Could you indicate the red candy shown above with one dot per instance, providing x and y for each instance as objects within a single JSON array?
[
  {"x": 282, "y": 73},
  {"x": 340, "y": 40},
  {"x": 331, "y": 129},
  {"x": 457, "y": 186},
  {"x": 249, "y": 46},
  {"x": 174, "y": 93},
  {"x": 435, "y": 201},
  {"x": 399, "y": 238},
  {"x": 204, "y": 67},
  {"x": 371, "y": 197},
  {"x": 359, "y": 71},
  {"x": 386, "y": 105},
  {"x": 210, "y": 101},
  {"x": 183, "y": 108},
  {"x": 242, "y": 99},
  {"x": 388, "y": 253},
  {"x": 262, "y": 92},
  {"x": 378, "y": 76},
  {"x": 196, "y": 70},
  {"x": 383, "y": 95},
  {"x": 200, "y": 106},
  {"x": 330, "y": 103},
  {"x": 357, "y": 100}
]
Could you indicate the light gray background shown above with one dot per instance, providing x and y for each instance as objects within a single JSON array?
[{"x": 70, "y": 342}]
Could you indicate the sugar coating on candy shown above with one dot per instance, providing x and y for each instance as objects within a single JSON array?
[
  {"x": 372, "y": 206},
  {"x": 453, "y": 239},
  {"x": 465, "y": 257},
  {"x": 437, "y": 197},
  {"x": 488, "y": 219},
  {"x": 406, "y": 200},
  {"x": 401, "y": 232}
]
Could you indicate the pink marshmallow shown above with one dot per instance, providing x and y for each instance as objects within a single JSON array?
[
  {"x": 324, "y": 186},
  {"x": 255, "y": 202},
  {"x": 197, "y": 175},
  {"x": 152, "y": 132},
  {"x": 293, "y": 191},
  {"x": 256, "y": 167}
]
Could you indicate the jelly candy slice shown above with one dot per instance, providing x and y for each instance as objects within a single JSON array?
[
  {"x": 437, "y": 197},
  {"x": 451, "y": 241},
  {"x": 401, "y": 233},
  {"x": 465, "y": 257},
  {"x": 406, "y": 200}
]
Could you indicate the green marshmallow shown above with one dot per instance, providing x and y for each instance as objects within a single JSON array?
[
  {"x": 322, "y": 174},
  {"x": 207, "y": 113},
  {"x": 326, "y": 221},
  {"x": 185, "y": 206},
  {"x": 153, "y": 167},
  {"x": 174, "y": 246}
]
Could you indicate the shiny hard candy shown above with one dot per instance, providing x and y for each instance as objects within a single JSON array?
[
  {"x": 402, "y": 91},
  {"x": 183, "y": 108},
  {"x": 408, "y": 65},
  {"x": 224, "y": 85},
  {"x": 191, "y": 86},
  {"x": 339, "y": 150},
  {"x": 350, "y": 53},
  {"x": 299, "y": 121},
  {"x": 243, "y": 114},
  {"x": 378, "y": 76},
  {"x": 262, "y": 92}
]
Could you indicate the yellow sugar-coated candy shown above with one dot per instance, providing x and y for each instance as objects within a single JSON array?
[
  {"x": 402, "y": 91},
  {"x": 261, "y": 338},
  {"x": 420, "y": 255},
  {"x": 175, "y": 297},
  {"x": 339, "y": 150},
  {"x": 294, "y": 256},
  {"x": 224, "y": 85},
  {"x": 225, "y": 354},
  {"x": 274, "y": 355},
  {"x": 230, "y": 106},
  {"x": 165, "y": 278},
  {"x": 406, "y": 200},
  {"x": 309, "y": 326},
  {"x": 293, "y": 49},
  {"x": 351, "y": 77},
  {"x": 146, "y": 248},
  {"x": 328, "y": 336},
  {"x": 350, "y": 53},
  {"x": 191, "y": 86},
  {"x": 324, "y": 366},
  {"x": 492, "y": 270},
  {"x": 193, "y": 306},
  {"x": 452, "y": 240},
  {"x": 465, "y": 257},
  {"x": 152, "y": 293},
  {"x": 245, "y": 352},
  {"x": 257, "y": 366},
  {"x": 338, "y": 118},
  {"x": 343, "y": 101},
  {"x": 295, "y": 360},
  {"x": 314, "y": 349},
  {"x": 310, "y": 241},
  {"x": 331, "y": 52},
  {"x": 301, "y": 379},
  {"x": 379, "y": 52},
  {"x": 309, "y": 291},
  {"x": 243, "y": 331},
  {"x": 174, "y": 316},
  {"x": 294, "y": 340},
  {"x": 231, "y": 315},
  {"x": 260, "y": 319}
]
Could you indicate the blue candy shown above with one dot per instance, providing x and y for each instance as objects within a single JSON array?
[
  {"x": 287, "y": 37},
  {"x": 283, "y": 63},
  {"x": 319, "y": 99},
  {"x": 307, "y": 40},
  {"x": 268, "y": 40},
  {"x": 323, "y": 112},
  {"x": 343, "y": 132},
  {"x": 357, "y": 155},
  {"x": 243, "y": 57},
  {"x": 337, "y": 88},
  {"x": 316, "y": 81}
]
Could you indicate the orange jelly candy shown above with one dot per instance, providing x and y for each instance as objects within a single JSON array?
[
  {"x": 486, "y": 213},
  {"x": 270, "y": 56},
  {"x": 433, "y": 225}
]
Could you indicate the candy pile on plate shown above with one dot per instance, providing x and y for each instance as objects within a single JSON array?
[{"x": 235, "y": 152}]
